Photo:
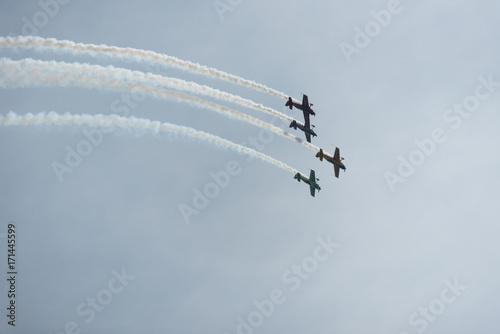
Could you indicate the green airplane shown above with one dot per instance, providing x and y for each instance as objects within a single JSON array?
[{"x": 311, "y": 181}]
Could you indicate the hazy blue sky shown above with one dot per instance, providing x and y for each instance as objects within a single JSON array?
[{"x": 405, "y": 241}]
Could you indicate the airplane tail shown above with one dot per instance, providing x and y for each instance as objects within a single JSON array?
[
  {"x": 320, "y": 154},
  {"x": 289, "y": 103},
  {"x": 297, "y": 177},
  {"x": 293, "y": 124}
]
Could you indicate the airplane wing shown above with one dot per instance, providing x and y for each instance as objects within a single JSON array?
[
  {"x": 306, "y": 118},
  {"x": 337, "y": 170},
  {"x": 307, "y": 125},
  {"x": 312, "y": 176},
  {"x": 313, "y": 190},
  {"x": 312, "y": 182},
  {"x": 337, "y": 154},
  {"x": 307, "y": 121},
  {"x": 305, "y": 100}
]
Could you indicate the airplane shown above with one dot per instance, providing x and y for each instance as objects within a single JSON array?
[
  {"x": 336, "y": 160},
  {"x": 306, "y": 110},
  {"x": 305, "y": 106},
  {"x": 311, "y": 181},
  {"x": 306, "y": 128}
]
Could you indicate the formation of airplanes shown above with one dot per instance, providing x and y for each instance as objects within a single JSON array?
[
  {"x": 335, "y": 160},
  {"x": 306, "y": 110}
]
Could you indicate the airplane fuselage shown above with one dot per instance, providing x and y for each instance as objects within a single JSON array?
[
  {"x": 334, "y": 161},
  {"x": 308, "y": 130},
  {"x": 307, "y": 109},
  {"x": 305, "y": 106},
  {"x": 304, "y": 128},
  {"x": 311, "y": 182},
  {"x": 299, "y": 177}
]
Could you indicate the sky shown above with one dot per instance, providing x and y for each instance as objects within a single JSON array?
[{"x": 166, "y": 234}]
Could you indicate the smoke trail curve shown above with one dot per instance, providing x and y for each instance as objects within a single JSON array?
[
  {"x": 154, "y": 127},
  {"x": 142, "y": 56},
  {"x": 29, "y": 73}
]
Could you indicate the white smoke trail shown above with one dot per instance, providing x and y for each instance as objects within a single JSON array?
[
  {"x": 29, "y": 72},
  {"x": 154, "y": 127},
  {"x": 129, "y": 54}
]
